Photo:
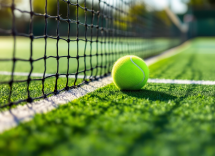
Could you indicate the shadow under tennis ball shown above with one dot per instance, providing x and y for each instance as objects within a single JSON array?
[{"x": 149, "y": 94}]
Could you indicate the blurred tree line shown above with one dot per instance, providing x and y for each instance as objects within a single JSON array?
[
  {"x": 6, "y": 12},
  {"x": 200, "y": 17},
  {"x": 151, "y": 22},
  {"x": 138, "y": 16},
  {"x": 208, "y": 4}
]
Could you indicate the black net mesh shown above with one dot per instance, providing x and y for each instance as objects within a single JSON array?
[{"x": 57, "y": 45}]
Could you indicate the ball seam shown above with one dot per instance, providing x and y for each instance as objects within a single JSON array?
[{"x": 140, "y": 69}]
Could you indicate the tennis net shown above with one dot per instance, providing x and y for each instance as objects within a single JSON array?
[{"x": 56, "y": 45}]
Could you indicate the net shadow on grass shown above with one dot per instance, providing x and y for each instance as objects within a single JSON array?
[
  {"x": 161, "y": 120},
  {"x": 89, "y": 37},
  {"x": 188, "y": 70},
  {"x": 188, "y": 65}
]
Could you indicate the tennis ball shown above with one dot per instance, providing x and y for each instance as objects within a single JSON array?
[{"x": 130, "y": 73}]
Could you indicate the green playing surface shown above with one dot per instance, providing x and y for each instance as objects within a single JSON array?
[
  {"x": 22, "y": 48},
  {"x": 196, "y": 62},
  {"x": 160, "y": 119},
  {"x": 117, "y": 45}
]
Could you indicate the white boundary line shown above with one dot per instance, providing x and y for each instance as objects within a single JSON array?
[
  {"x": 13, "y": 117},
  {"x": 165, "y": 54},
  {"x": 169, "y": 81},
  {"x": 148, "y": 61}
]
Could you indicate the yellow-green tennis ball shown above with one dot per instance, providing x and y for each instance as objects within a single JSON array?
[{"x": 130, "y": 73}]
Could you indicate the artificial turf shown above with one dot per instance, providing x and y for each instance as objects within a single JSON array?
[
  {"x": 118, "y": 46},
  {"x": 19, "y": 90},
  {"x": 95, "y": 67},
  {"x": 195, "y": 62},
  {"x": 160, "y": 119}
]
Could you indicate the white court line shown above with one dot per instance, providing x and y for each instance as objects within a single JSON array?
[
  {"x": 13, "y": 117},
  {"x": 169, "y": 81},
  {"x": 148, "y": 61},
  {"x": 166, "y": 54}
]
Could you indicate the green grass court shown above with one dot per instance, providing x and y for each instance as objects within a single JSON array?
[
  {"x": 38, "y": 50},
  {"x": 196, "y": 62},
  {"x": 117, "y": 45},
  {"x": 158, "y": 120}
]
